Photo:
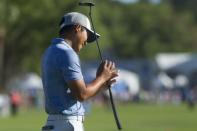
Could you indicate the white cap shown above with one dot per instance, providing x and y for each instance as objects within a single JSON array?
[{"x": 73, "y": 18}]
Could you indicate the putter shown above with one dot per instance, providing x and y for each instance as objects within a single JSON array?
[{"x": 90, "y": 4}]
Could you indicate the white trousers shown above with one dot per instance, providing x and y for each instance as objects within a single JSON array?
[{"x": 63, "y": 123}]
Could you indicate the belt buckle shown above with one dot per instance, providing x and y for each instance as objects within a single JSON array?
[
  {"x": 47, "y": 127},
  {"x": 80, "y": 118}
]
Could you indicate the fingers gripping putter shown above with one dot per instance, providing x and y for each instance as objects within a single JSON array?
[{"x": 90, "y": 5}]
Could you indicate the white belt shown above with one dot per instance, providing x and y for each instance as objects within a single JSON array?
[{"x": 64, "y": 117}]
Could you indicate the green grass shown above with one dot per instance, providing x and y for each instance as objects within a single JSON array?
[
  {"x": 135, "y": 117},
  {"x": 145, "y": 118}
]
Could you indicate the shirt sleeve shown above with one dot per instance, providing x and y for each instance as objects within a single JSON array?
[{"x": 70, "y": 66}]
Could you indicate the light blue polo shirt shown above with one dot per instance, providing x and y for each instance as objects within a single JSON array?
[{"x": 60, "y": 64}]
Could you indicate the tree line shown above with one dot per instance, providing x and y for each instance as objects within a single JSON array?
[{"x": 135, "y": 30}]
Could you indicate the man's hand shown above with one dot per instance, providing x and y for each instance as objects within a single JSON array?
[{"x": 107, "y": 71}]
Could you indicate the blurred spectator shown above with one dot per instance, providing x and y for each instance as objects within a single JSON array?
[
  {"x": 4, "y": 105},
  {"x": 191, "y": 99},
  {"x": 15, "y": 101}
]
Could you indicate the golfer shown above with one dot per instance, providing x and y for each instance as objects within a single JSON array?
[{"x": 64, "y": 86}]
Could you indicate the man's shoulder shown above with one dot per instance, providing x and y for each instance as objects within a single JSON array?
[
  {"x": 60, "y": 44},
  {"x": 65, "y": 50}
]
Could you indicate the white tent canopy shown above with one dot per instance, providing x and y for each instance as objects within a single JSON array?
[
  {"x": 27, "y": 81},
  {"x": 31, "y": 81},
  {"x": 166, "y": 61},
  {"x": 131, "y": 80}
]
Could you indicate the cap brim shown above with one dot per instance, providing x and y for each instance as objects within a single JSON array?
[{"x": 92, "y": 37}]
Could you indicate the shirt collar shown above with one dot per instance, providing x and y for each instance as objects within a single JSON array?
[{"x": 58, "y": 40}]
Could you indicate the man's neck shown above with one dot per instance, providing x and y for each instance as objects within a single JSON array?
[{"x": 68, "y": 41}]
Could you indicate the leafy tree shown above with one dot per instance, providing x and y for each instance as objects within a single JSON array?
[
  {"x": 184, "y": 6},
  {"x": 144, "y": 29},
  {"x": 29, "y": 32},
  {"x": 127, "y": 30},
  {"x": 30, "y": 29}
]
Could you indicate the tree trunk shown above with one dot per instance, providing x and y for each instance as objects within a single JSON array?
[{"x": 2, "y": 36}]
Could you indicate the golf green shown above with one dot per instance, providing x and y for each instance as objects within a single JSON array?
[{"x": 133, "y": 117}]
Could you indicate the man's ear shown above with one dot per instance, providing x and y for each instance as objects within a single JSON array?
[{"x": 77, "y": 28}]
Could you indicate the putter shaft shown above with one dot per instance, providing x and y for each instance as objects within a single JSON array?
[{"x": 110, "y": 92}]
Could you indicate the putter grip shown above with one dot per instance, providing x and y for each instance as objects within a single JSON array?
[
  {"x": 86, "y": 4},
  {"x": 114, "y": 110}
]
